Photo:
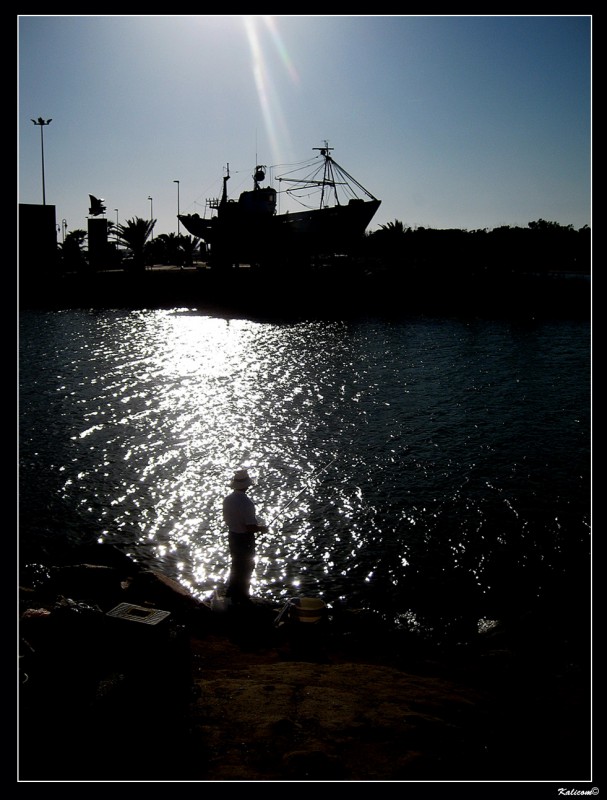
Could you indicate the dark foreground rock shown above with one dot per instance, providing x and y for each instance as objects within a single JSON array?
[{"x": 226, "y": 695}]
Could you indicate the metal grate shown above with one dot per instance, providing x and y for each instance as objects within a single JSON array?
[{"x": 149, "y": 616}]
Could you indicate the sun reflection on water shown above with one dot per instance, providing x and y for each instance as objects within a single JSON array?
[
  {"x": 373, "y": 475},
  {"x": 208, "y": 411}
]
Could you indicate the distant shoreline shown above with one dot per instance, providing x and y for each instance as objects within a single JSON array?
[{"x": 327, "y": 292}]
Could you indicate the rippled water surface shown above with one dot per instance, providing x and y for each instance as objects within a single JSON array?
[{"x": 405, "y": 465}]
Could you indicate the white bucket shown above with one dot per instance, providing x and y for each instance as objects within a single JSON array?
[{"x": 307, "y": 609}]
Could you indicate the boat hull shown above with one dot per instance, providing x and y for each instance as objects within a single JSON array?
[
  {"x": 327, "y": 229},
  {"x": 241, "y": 237}
]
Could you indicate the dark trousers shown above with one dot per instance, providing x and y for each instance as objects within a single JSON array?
[{"x": 242, "y": 552}]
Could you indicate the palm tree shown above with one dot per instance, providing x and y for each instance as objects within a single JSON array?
[
  {"x": 388, "y": 242},
  {"x": 72, "y": 254},
  {"x": 134, "y": 234},
  {"x": 166, "y": 248},
  {"x": 188, "y": 246},
  {"x": 169, "y": 248},
  {"x": 395, "y": 228}
]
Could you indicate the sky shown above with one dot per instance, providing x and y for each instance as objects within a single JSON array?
[{"x": 469, "y": 122}]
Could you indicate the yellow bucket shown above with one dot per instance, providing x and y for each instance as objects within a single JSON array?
[{"x": 307, "y": 609}]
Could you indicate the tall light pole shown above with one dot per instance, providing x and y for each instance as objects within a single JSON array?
[
  {"x": 42, "y": 122},
  {"x": 64, "y": 229},
  {"x": 116, "y": 210},
  {"x": 151, "y": 214},
  {"x": 177, "y": 182}
]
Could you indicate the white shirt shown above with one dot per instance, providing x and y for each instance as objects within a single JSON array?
[{"x": 238, "y": 512}]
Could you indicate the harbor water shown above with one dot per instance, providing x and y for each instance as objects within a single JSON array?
[{"x": 424, "y": 468}]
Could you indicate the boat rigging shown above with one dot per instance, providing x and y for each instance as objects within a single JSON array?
[{"x": 325, "y": 177}]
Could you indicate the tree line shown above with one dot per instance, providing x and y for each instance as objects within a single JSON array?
[
  {"x": 542, "y": 247},
  {"x": 130, "y": 246}
]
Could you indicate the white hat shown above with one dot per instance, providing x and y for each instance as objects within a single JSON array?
[{"x": 241, "y": 480}]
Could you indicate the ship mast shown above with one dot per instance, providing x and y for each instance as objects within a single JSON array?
[
  {"x": 333, "y": 175},
  {"x": 224, "y": 194},
  {"x": 216, "y": 203},
  {"x": 328, "y": 178}
]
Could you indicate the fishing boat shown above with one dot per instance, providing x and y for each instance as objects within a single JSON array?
[{"x": 332, "y": 212}]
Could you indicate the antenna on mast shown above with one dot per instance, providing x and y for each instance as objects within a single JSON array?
[{"x": 324, "y": 151}]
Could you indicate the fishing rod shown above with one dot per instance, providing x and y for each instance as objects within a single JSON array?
[
  {"x": 293, "y": 499},
  {"x": 316, "y": 472}
]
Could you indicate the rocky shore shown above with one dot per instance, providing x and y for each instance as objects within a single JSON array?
[{"x": 220, "y": 694}]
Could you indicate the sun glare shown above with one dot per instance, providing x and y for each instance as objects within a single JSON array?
[
  {"x": 270, "y": 24},
  {"x": 273, "y": 117}
]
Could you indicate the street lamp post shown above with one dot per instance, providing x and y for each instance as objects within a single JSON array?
[
  {"x": 178, "y": 229},
  {"x": 42, "y": 122},
  {"x": 116, "y": 210},
  {"x": 151, "y": 214},
  {"x": 64, "y": 229}
]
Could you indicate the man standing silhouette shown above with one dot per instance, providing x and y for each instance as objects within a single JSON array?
[{"x": 242, "y": 523}]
